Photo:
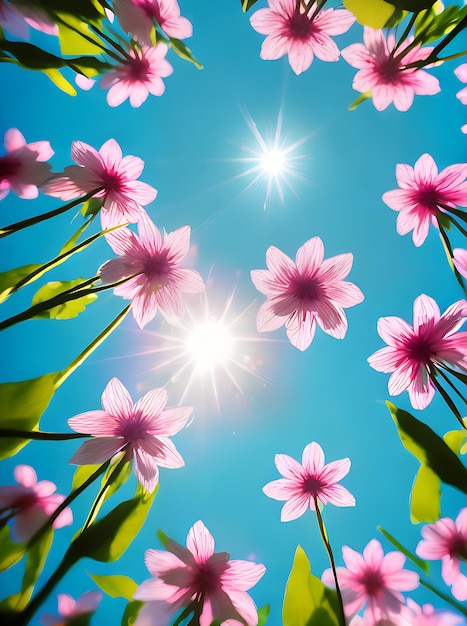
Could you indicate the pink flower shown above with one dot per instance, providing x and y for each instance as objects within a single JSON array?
[
  {"x": 31, "y": 503},
  {"x": 460, "y": 260},
  {"x": 382, "y": 70},
  {"x": 292, "y": 31},
  {"x": 22, "y": 169},
  {"x": 136, "y": 17},
  {"x": 159, "y": 281},
  {"x": 446, "y": 539},
  {"x": 69, "y": 609},
  {"x": 415, "y": 353},
  {"x": 198, "y": 577},
  {"x": 138, "y": 76},
  {"x": 141, "y": 430},
  {"x": 427, "y": 616},
  {"x": 107, "y": 175},
  {"x": 312, "y": 479},
  {"x": 461, "y": 73},
  {"x": 305, "y": 292},
  {"x": 373, "y": 579},
  {"x": 422, "y": 191},
  {"x": 17, "y": 19}
]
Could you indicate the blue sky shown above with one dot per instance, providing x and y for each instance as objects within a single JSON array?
[{"x": 191, "y": 140}]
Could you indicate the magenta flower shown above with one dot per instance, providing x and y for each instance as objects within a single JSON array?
[
  {"x": 17, "y": 19},
  {"x": 422, "y": 193},
  {"x": 69, "y": 609},
  {"x": 309, "y": 291},
  {"x": 375, "y": 580},
  {"x": 459, "y": 257},
  {"x": 311, "y": 480},
  {"x": 31, "y": 503},
  {"x": 382, "y": 70},
  {"x": 137, "y": 17},
  {"x": 22, "y": 169},
  {"x": 296, "y": 33},
  {"x": 159, "y": 281},
  {"x": 199, "y": 578},
  {"x": 415, "y": 353},
  {"x": 446, "y": 539},
  {"x": 108, "y": 175},
  {"x": 141, "y": 430},
  {"x": 138, "y": 76}
]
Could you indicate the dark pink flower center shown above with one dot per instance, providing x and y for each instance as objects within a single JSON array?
[
  {"x": 9, "y": 167},
  {"x": 300, "y": 26},
  {"x": 312, "y": 486},
  {"x": 157, "y": 270},
  {"x": 26, "y": 501},
  {"x": 428, "y": 197},
  {"x": 305, "y": 289},
  {"x": 389, "y": 70},
  {"x": 134, "y": 428},
  {"x": 112, "y": 181},
  {"x": 205, "y": 578},
  {"x": 373, "y": 582},
  {"x": 137, "y": 69},
  {"x": 458, "y": 548}
]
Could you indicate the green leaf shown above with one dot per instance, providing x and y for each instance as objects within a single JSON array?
[
  {"x": 412, "y": 5},
  {"x": 416, "y": 559},
  {"x": 184, "y": 52},
  {"x": 374, "y": 13},
  {"x": 36, "y": 557},
  {"x": 76, "y": 37},
  {"x": 60, "y": 81},
  {"x": 21, "y": 406},
  {"x": 92, "y": 206},
  {"x": 108, "y": 538},
  {"x": 307, "y": 601},
  {"x": 263, "y": 614},
  {"x": 131, "y": 612},
  {"x": 8, "y": 280},
  {"x": 30, "y": 56},
  {"x": 66, "y": 310},
  {"x": 429, "y": 449},
  {"x": 361, "y": 98},
  {"x": 457, "y": 439},
  {"x": 116, "y": 586},
  {"x": 91, "y": 10},
  {"x": 434, "y": 24},
  {"x": 82, "y": 473},
  {"x": 247, "y": 4},
  {"x": 425, "y": 497},
  {"x": 10, "y": 551}
]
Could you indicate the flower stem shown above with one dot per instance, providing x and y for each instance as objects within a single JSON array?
[
  {"x": 433, "y": 56},
  {"x": 39, "y": 434},
  {"x": 13, "y": 228},
  {"x": 444, "y": 597},
  {"x": 449, "y": 255},
  {"x": 451, "y": 384},
  {"x": 448, "y": 400},
  {"x": 327, "y": 545},
  {"x": 406, "y": 32}
]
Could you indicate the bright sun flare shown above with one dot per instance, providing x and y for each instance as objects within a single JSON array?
[
  {"x": 273, "y": 162},
  {"x": 209, "y": 345}
]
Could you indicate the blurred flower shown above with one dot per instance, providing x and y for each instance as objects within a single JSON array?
[
  {"x": 22, "y": 169},
  {"x": 446, "y": 539},
  {"x": 69, "y": 609},
  {"x": 160, "y": 282},
  {"x": 460, "y": 260},
  {"x": 17, "y": 17},
  {"x": 415, "y": 353},
  {"x": 382, "y": 70},
  {"x": 422, "y": 190},
  {"x": 142, "y": 430},
  {"x": 461, "y": 73},
  {"x": 31, "y": 503},
  {"x": 312, "y": 479},
  {"x": 293, "y": 31},
  {"x": 199, "y": 578},
  {"x": 110, "y": 175},
  {"x": 137, "y": 17},
  {"x": 427, "y": 616},
  {"x": 375, "y": 580},
  {"x": 138, "y": 76},
  {"x": 305, "y": 292}
]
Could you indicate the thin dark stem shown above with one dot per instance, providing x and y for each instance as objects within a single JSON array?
[
  {"x": 449, "y": 255},
  {"x": 117, "y": 46},
  {"x": 433, "y": 56},
  {"x": 455, "y": 211},
  {"x": 327, "y": 545},
  {"x": 39, "y": 434},
  {"x": 13, "y": 228},
  {"x": 444, "y": 597},
  {"x": 448, "y": 400},
  {"x": 406, "y": 32},
  {"x": 450, "y": 383}
]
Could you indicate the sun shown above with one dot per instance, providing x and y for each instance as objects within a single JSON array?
[
  {"x": 209, "y": 345},
  {"x": 273, "y": 162}
]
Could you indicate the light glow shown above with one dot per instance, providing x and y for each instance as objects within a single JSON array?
[
  {"x": 273, "y": 162},
  {"x": 209, "y": 345}
]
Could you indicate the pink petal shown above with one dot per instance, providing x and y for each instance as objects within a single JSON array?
[
  {"x": 116, "y": 400},
  {"x": 25, "y": 475},
  {"x": 200, "y": 542},
  {"x": 313, "y": 458},
  {"x": 98, "y": 450}
]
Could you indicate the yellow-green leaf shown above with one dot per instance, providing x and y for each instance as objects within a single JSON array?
[
  {"x": 74, "y": 36},
  {"x": 374, "y": 13},
  {"x": 66, "y": 310},
  {"x": 60, "y": 81},
  {"x": 8, "y": 280},
  {"x": 425, "y": 497},
  {"x": 116, "y": 586},
  {"x": 457, "y": 439}
]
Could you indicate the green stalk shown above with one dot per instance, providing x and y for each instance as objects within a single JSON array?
[
  {"x": 448, "y": 400},
  {"x": 13, "y": 228},
  {"x": 433, "y": 57},
  {"x": 39, "y": 435},
  {"x": 406, "y": 32},
  {"x": 459, "y": 607}
]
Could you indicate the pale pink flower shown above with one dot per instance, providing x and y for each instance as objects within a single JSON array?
[
  {"x": 415, "y": 353},
  {"x": 22, "y": 169},
  {"x": 312, "y": 479},
  {"x": 70, "y": 609},
  {"x": 446, "y": 539},
  {"x": 136, "y": 17},
  {"x": 138, "y": 76},
  {"x": 426, "y": 615},
  {"x": 309, "y": 291},
  {"x": 198, "y": 577},
  {"x": 141, "y": 430},
  {"x": 422, "y": 190},
  {"x": 382, "y": 70},
  {"x": 160, "y": 281},
  {"x": 461, "y": 73},
  {"x": 110, "y": 176},
  {"x": 373, "y": 579},
  {"x": 459, "y": 257},
  {"x": 31, "y": 503},
  {"x": 292, "y": 31},
  {"x": 18, "y": 17}
]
